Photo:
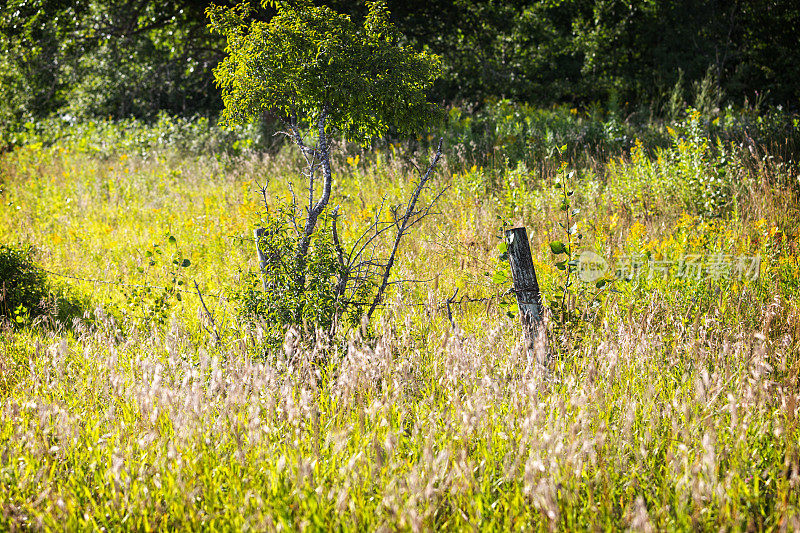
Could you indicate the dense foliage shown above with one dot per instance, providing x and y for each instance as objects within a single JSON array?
[
  {"x": 98, "y": 58},
  {"x": 23, "y": 287},
  {"x": 115, "y": 58},
  {"x": 622, "y": 52},
  {"x": 27, "y": 295},
  {"x": 312, "y": 61}
]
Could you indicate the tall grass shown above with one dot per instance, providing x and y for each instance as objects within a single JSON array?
[{"x": 672, "y": 405}]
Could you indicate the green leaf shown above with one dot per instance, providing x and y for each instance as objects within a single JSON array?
[
  {"x": 186, "y": 263},
  {"x": 178, "y": 295},
  {"x": 173, "y": 240},
  {"x": 502, "y": 247},
  {"x": 557, "y": 247},
  {"x": 600, "y": 283},
  {"x": 499, "y": 277}
]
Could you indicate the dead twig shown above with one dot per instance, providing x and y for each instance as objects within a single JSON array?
[
  {"x": 209, "y": 316},
  {"x": 449, "y": 311},
  {"x": 405, "y": 224}
]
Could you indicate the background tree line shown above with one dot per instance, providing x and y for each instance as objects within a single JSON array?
[{"x": 137, "y": 58}]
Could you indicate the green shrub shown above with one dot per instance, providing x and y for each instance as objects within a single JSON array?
[
  {"x": 23, "y": 287},
  {"x": 27, "y": 294},
  {"x": 503, "y": 129},
  {"x": 188, "y": 136},
  {"x": 287, "y": 294}
]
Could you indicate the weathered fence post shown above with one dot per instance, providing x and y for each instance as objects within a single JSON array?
[
  {"x": 529, "y": 299},
  {"x": 258, "y": 233}
]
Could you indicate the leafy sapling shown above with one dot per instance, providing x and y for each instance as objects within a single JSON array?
[
  {"x": 568, "y": 252},
  {"x": 147, "y": 303},
  {"x": 568, "y": 247},
  {"x": 325, "y": 76}
]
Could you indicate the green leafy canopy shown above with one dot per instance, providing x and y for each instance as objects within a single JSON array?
[{"x": 308, "y": 60}]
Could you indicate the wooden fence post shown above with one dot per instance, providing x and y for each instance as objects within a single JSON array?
[
  {"x": 529, "y": 299},
  {"x": 258, "y": 233}
]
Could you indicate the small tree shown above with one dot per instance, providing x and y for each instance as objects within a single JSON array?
[{"x": 324, "y": 75}]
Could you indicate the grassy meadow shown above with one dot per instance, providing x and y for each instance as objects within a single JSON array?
[{"x": 672, "y": 403}]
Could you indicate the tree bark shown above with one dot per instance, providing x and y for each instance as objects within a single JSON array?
[{"x": 314, "y": 211}]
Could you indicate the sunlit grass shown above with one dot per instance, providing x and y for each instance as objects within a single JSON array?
[{"x": 673, "y": 406}]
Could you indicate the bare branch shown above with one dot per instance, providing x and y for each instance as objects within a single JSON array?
[
  {"x": 341, "y": 285},
  {"x": 336, "y": 243},
  {"x": 263, "y": 192},
  {"x": 449, "y": 311},
  {"x": 294, "y": 209},
  {"x": 376, "y": 222},
  {"x": 208, "y": 315},
  {"x": 401, "y": 281},
  {"x": 316, "y": 209},
  {"x": 403, "y": 226}
]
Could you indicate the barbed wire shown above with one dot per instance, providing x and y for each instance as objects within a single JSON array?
[
  {"x": 464, "y": 299},
  {"x": 131, "y": 285}
]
